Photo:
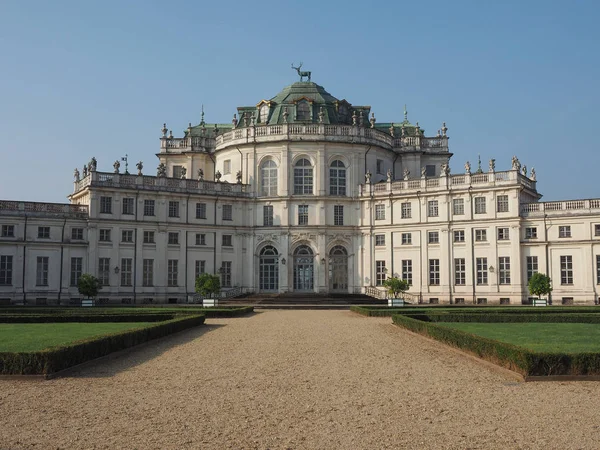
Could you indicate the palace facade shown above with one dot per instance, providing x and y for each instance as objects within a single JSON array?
[{"x": 302, "y": 193}]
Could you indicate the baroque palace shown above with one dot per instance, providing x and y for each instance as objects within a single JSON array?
[{"x": 302, "y": 193}]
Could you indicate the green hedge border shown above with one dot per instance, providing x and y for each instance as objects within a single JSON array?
[
  {"x": 57, "y": 318},
  {"x": 119, "y": 311},
  {"x": 52, "y": 360},
  {"x": 520, "y": 360}
]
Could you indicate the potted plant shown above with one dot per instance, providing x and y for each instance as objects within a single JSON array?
[
  {"x": 396, "y": 287},
  {"x": 89, "y": 286},
  {"x": 540, "y": 284}
]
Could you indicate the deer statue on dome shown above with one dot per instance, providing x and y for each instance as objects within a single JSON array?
[{"x": 301, "y": 74}]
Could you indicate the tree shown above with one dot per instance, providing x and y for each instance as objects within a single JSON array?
[
  {"x": 396, "y": 286},
  {"x": 208, "y": 285},
  {"x": 89, "y": 285},
  {"x": 540, "y": 284}
]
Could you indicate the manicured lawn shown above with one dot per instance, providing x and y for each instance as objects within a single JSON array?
[
  {"x": 26, "y": 337},
  {"x": 542, "y": 337}
]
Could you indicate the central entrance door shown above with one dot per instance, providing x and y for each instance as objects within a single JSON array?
[
  {"x": 338, "y": 269},
  {"x": 269, "y": 269},
  {"x": 304, "y": 272}
]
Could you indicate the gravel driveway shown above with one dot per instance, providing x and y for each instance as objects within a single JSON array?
[{"x": 296, "y": 379}]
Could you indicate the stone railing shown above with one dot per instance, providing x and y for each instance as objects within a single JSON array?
[
  {"x": 331, "y": 133},
  {"x": 450, "y": 182},
  {"x": 195, "y": 144},
  {"x": 63, "y": 210},
  {"x": 560, "y": 208},
  {"x": 152, "y": 183}
]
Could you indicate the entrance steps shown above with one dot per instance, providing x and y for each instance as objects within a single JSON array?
[{"x": 301, "y": 300}]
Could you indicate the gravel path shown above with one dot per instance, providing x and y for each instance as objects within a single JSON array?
[{"x": 296, "y": 379}]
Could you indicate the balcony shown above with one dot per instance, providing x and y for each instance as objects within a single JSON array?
[
  {"x": 561, "y": 208},
  {"x": 38, "y": 209}
]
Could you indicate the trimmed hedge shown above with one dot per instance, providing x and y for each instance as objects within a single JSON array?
[
  {"x": 504, "y": 318},
  {"x": 228, "y": 312},
  {"x": 521, "y": 360},
  {"x": 130, "y": 311},
  {"x": 375, "y": 312},
  {"x": 55, "y": 318},
  {"x": 55, "y": 359}
]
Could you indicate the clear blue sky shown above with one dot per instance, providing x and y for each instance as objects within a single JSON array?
[{"x": 81, "y": 79}]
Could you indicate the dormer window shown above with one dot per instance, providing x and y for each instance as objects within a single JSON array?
[
  {"x": 264, "y": 113},
  {"x": 343, "y": 113},
  {"x": 303, "y": 111}
]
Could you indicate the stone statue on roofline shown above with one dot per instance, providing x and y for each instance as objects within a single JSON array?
[
  {"x": 533, "y": 176},
  {"x": 492, "y": 165},
  {"x": 218, "y": 176},
  {"x": 389, "y": 175},
  {"x": 161, "y": 170},
  {"x": 445, "y": 169},
  {"x": 516, "y": 165},
  {"x": 200, "y": 174},
  {"x": 405, "y": 174},
  {"x": 117, "y": 165},
  {"x": 524, "y": 170},
  {"x": 85, "y": 171},
  {"x": 76, "y": 174},
  {"x": 238, "y": 177},
  {"x": 468, "y": 168},
  {"x": 423, "y": 172},
  {"x": 183, "y": 173},
  {"x": 139, "y": 166},
  {"x": 93, "y": 164},
  {"x": 368, "y": 177}
]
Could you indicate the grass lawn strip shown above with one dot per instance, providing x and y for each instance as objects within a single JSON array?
[
  {"x": 539, "y": 337},
  {"x": 30, "y": 337}
]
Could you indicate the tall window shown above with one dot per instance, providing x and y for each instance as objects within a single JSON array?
[
  {"x": 531, "y": 233},
  {"x": 127, "y": 236},
  {"x": 482, "y": 271},
  {"x": 564, "y": 231},
  {"x": 227, "y": 212},
  {"x": 432, "y": 208},
  {"x": 338, "y": 215},
  {"x": 226, "y": 274},
  {"x": 459, "y": 236},
  {"x": 226, "y": 167},
  {"x": 434, "y": 272},
  {"x": 227, "y": 240},
  {"x": 173, "y": 238},
  {"x": 379, "y": 273},
  {"x": 502, "y": 203},
  {"x": 302, "y": 110},
  {"x": 380, "y": 240},
  {"x": 302, "y": 214},
  {"x": 8, "y": 231},
  {"x": 148, "y": 272},
  {"x": 104, "y": 235},
  {"x": 128, "y": 206},
  {"x": 337, "y": 178},
  {"x": 504, "y": 270},
  {"x": 480, "y": 235},
  {"x": 407, "y": 270},
  {"x": 172, "y": 268},
  {"x": 41, "y": 274},
  {"x": 460, "y": 273},
  {"x": 532, "y": 266},
  {"x": 479, "y": 205},
  {"x": 406, "y": 238},
  {"x": 173, "y": 208},
  {"x": 597, "y": 229},
  {"x": 458, "y": 206},
  {"x": 268, "y": 175},
  {"x": 148, "y": 237},
  {"x": 148, "y": 207},
  {"x": 200, "y": 210},
  {"x": 104, "y": 271},
  {"x": 433, "y": 237},
  {"x": 263, "y": 113},
  {"x": 380, "y": 212},
  {"x": 405, "y": 209},
  {"x": 200, "y": 268},
  {"x": 379, "y": 167},
  {"x": 105, "y": 205},
  {"x": 597, "y": 270},
  {"x": 126, "y": 271},
  {"x": 6, "y": 270},
  {"x": 303, "y": 177},
  {"x": 268, "y": 215},
  {"x": 177, "y": 171},
  {"x": 200, "y": 239},
  {"x": 503, "y": 234},
  {"x": 566, "y": 269}
]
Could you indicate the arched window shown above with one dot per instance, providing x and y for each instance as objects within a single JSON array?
[
  {"x": 303, "y": 177},
  {"x": 303, "y": 110},
  {"x": 268, "y": 176},
  {"x": 264, "y": 113},
  {"x": 337, "y": 178}
]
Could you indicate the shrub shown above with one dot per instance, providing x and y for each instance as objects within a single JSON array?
[
  {"x": 540, "y": 284},
  {"x": 89, "y": 285}
]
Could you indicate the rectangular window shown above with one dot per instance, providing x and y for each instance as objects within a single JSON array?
[
  {"x": 200, "y": 268},
  {"x": 200, "y": 239},
  {"x": 268, "y": 215},
  {"x": 177, "y": 171},
  {"x": 459, "y": 236},
  {"x": 104, "y": 271},
  {"x": 504, "y": 270},
  {"x": 227, "y": 212},
  {"x": 566, "y": 269},
  {"x": 226, "y": 274},
  {"x": 460, "y": 273},
  {"x": 502, "y": 203},
  {"x": 430, "y": 170},
  {"x": 597, "y": 270},
  {"x": 44, "y": 232},
  {"x": 479, "y": 205},
  {"x": 105, "y": 205},
  {"x": 148, "y": 237},
  {"x": 6, "y": 270},
  {"x": 406, "y": 238},
  {"x": 433, "y": 237},
  {"x": 432, "y": 208},
  {"x": 406, "y": 210},
  {"x": 380, "y": 240},
  {"x": 480, "y": 235},
  {"x": 503, "y": 234},
  {"x": 379, "y": 273},
  {"x": 597, "y": 230},
  {"x": 482, "y": 271},
  {"x": 172, "y": 269},
  {"x": 458, "y": 206},
  {"x": 104, "y": 235},
  {"x": 338, "y": 215},
  {"x": 407, "y": 270},
  {"x": 148, "y": 272},
  {"x": 531, "y": 233},
  {"x": 173, "y": 208},
  {"x": 8, "y": 231},
  {"x": 227, "y": 240},
  {"x": 302, "y": 214},
  {"x": 380, "y": 212},
  {"x": 380, "y": 168},
  {"x": 173, "y": 238},
  {"x": 227, "y": 167},
  {"x": 564, "y": 231},
  {"x": 77, "y": 234},
  {"x": 434, "y": 272},
  {"x": 41, "y": 274},
  {"x": 532, "y": 266},
  {"x": 149, "y": 208},
  {"x": 200, "y": 210},
  {"x": 128, "y": 206},
  {"x": 126, "y": 271},
  {"x": 126, "y": 235}
]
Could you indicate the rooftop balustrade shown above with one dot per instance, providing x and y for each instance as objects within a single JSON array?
[
  {"x": 560, "y": 208},
  {"x": 39, "y": 209}
]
